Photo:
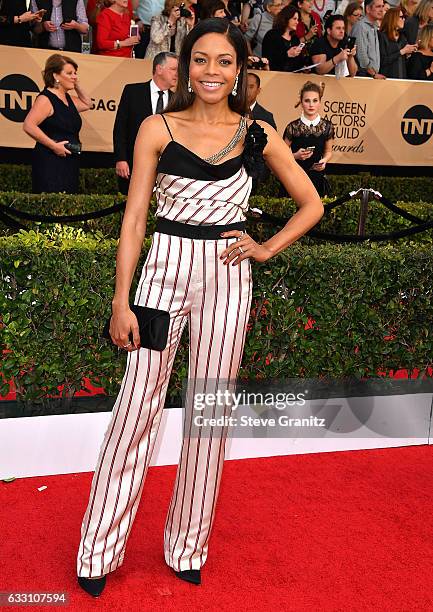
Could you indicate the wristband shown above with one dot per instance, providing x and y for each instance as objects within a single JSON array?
[
  {"x": 117, "y": 44},
  {"x": 18, "y": 19}
]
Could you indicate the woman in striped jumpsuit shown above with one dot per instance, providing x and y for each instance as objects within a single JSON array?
[{"x": 200, "y": 278}]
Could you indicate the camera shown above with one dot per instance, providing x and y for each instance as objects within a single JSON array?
[
  {"x": 183, "y": 11},
  {"x": 257, "y": 64}
]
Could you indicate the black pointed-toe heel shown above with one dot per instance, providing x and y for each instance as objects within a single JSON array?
[
  {"x": 93, "y": 586},
  {"x": 192, "y": 576}
]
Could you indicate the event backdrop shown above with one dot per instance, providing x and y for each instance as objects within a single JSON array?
[{"x": 376, "y": 122}]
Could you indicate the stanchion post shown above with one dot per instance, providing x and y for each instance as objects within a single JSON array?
[{"x": 363, "y": 211}]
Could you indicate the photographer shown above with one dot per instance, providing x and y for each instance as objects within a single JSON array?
[
  {"x": 113, "y": 30},
  {"x": 16, "y": 23},
  {"x": 93, "y": 9},
  {"x": 213, "y": 8},
  {"x": 333, "y": 52},
  {"x": 394, "y": 48},
  {"x": 420, "y": 65},
  {"x": 281, "y": 46},
  {"x": 367, "y": 40},
  {"x": 260, "y": 24},
  {"x": 169, "y": 29},
  {"x": 310, "y": 25},
  {"x": 422, "y": 16},
  {"x": 352, "y": 14},
  {"x": 63, "y": 24}
]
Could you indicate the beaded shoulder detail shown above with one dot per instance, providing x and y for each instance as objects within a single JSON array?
[{"x": 216, "y": 157}]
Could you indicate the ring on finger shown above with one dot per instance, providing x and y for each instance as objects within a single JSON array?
[{"x": 241, "y": 249}]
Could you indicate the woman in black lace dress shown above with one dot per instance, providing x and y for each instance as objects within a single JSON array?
[
  {"x": 54, "y": 121},
  {"x": 310, "y": 137}
]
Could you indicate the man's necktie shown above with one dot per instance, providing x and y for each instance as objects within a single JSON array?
[{"x": 160, "y": 103}]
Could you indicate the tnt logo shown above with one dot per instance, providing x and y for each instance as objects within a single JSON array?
[
  {"x": 417, "y": 125},
  {"x": 17, "y": 94}
]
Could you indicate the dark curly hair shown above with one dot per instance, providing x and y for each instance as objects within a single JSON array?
[
  {"x": 182, "y": 98},
  {"x": 284, "y": 16}
]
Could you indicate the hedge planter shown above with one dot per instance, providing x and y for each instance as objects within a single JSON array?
[{"x": 319, "y": 311}]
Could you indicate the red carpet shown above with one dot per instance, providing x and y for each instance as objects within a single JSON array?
[{"x": 332, "y": 531}]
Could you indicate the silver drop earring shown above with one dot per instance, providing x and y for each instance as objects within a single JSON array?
[
  {"x": 235, "y": 86},
  {"x": 190, "y": 89}
]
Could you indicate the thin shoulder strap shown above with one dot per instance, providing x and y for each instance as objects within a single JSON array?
[{"x": 166, "y": 125}]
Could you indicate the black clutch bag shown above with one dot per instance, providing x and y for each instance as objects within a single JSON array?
[
  {"x": 73, "y": 147},
  {"x": 153, "y": 327}
]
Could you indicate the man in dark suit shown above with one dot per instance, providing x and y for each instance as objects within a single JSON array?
[
  {"x": 256, "y": 110},
  {"x": 138, "y": 101}
]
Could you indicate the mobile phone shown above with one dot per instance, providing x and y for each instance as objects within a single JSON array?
[
  {"x": 301, "y": 45},
  {"x": 327, "y": 14},
  {"x": 351, "y": 40},
  {"x": 310, "y": 148},
  {"x": 69, "y": 21},
  {"x": 133, "y": 30},
  {"x": 184, "y": 12}
]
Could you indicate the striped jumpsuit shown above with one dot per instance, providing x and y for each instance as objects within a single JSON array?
[{"x": 185, "y": 277}]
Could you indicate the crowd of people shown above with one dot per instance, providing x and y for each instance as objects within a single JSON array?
[{"x": 371, "y": 38}]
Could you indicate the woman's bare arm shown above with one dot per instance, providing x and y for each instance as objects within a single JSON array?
[
  {"x": 280, "y": 160},
  {"x": 84, "y": 101},
  {"x": 147, "y": 149},
  {"x": 41, "y": 110}
]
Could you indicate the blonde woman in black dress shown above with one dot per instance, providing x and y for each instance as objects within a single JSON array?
[{"x": 201, "y": 155}]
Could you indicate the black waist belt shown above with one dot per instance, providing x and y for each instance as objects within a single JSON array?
[{"x": 203, "y": 232}]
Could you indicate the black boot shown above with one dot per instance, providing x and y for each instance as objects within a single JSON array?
[
  {"x": 192, "y": 576},
  {"x": 93, "y": 586}
]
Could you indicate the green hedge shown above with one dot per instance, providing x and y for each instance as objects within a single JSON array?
[
  {"x": 371, "y": 306},
  {"x": 63, "y": 204},
  {"x": 395, "y": 188},
  {"x": 341, "y": 220},
  {"x": 14, "y": 177},
  {"x": 104, "y": 181}
]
